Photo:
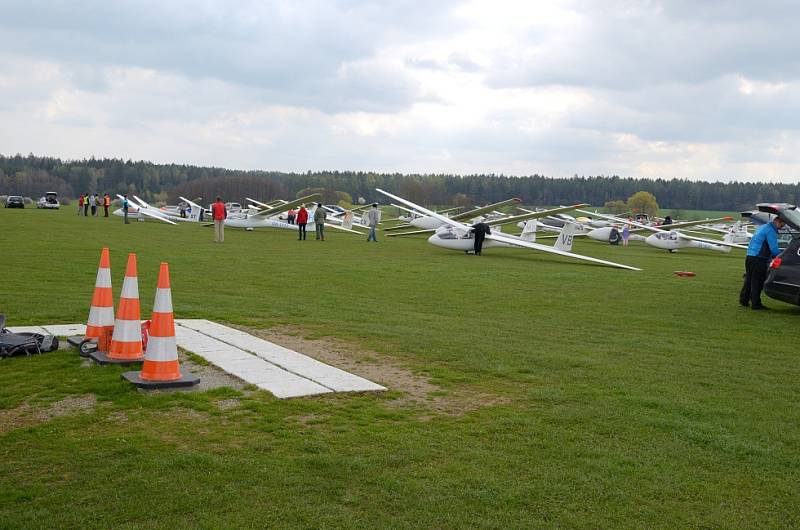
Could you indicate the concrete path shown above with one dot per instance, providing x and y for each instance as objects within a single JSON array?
[
  {"x": 61, "y": 330},
  {"x": 281, "y": 371},
  {"x": 296, "y": 363}
]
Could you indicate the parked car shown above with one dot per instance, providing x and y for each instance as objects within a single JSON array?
[
  {"x": 15, "y": 201},
  {"x": 783, "y": 280},
  {"x": 49, "y": 201}
]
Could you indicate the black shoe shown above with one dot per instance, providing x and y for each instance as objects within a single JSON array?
[
  {"x": 760, "y": 308},
  {"x": 744, "y": 304}
]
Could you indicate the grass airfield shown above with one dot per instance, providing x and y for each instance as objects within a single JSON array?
[{"x": 559, "y": 394}]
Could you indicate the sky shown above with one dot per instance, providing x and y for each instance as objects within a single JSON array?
[{"x": 695, "y": 89}]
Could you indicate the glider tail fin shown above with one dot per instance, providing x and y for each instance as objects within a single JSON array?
[
  {"x": 728, "y": 239},
  {"x": 193, "y": 214},
  {"x": 565, "y": 238},
  {"x": 529, "y": 231}
]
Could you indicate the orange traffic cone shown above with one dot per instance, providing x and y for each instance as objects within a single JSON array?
[
  {"x": 160, "y": 368},
  {"x": 101, "y": 312},
  {"x": 126, "y": 342}
]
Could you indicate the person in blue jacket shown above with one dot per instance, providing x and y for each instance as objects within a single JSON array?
[{"x": 762, "y": 248}]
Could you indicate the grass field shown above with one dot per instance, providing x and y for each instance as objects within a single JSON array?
[{"x": 555, "y": 393}]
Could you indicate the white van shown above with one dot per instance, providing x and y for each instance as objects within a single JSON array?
[{"x": 50, "y": 201}]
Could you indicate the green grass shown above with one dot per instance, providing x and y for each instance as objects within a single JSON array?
[{"x": 623, "y": 399}]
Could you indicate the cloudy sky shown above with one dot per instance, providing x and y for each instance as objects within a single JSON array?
[{"x": 693, "y": 89}]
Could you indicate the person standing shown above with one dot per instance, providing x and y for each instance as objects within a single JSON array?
[
  {"x": 182, "y": 207},
  {"x": 106, "y": 204},
  {"x": 86, "y": 204},
  {"x": 94, "y": 205},
  {"x": 302, "y": 219},
  {"x": 763, "y": 246},
  {"x": 481, "y": 230},
  {"x": 614, "y": 237},
  {"x": 219, "y": 213},
  {"x": 290, "y": 216},
  {"x": 626, "y": 233},
  {"x": 80, "y": 205},
  {"x": 125, "y": 205},
  {"x": 319, "y": 221},
  {"x": 373, "y": 218}
]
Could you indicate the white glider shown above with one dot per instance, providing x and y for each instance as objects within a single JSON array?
[{"x": 456, "y": 235}]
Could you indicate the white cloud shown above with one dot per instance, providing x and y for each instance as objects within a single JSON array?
[{"x": 659, "y": 89}]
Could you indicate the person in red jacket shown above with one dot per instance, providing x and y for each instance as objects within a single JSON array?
[
  {"x": 302, "y": 219},
  {"x": 219, "y": 213}
]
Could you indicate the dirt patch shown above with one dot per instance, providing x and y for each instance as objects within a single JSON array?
[
  {"x": 181, "y": 413},
  {"x": 210, "y": 377},
  {"x": 417, "y": 390},
  {"x": 227, "y": 404},
  {"x": 26, "y": 415},
  {"x": 118, "y": 417},
  {"x": 309, "y": 420}
]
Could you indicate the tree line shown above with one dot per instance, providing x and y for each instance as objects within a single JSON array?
[{"x": 32, "y": 176}]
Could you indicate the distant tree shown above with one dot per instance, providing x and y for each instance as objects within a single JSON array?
[
  {"x": 32, "y": 176},
  {"x": 329, "y": 195},
  {"x": 643, "y": 202},
  {"x": 461, "y": 199},
  {"x": 344, "y": 199},
  {"x": 615, "y": 207}
]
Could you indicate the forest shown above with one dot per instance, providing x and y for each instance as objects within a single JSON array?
[{"x": 32, "y": 176}]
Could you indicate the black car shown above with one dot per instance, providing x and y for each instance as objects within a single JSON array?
[
  {"x": 15, "y": 201},
  {"x": 783, "y": 280}
]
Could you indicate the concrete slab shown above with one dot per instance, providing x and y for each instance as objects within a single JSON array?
[
  {"x": 202, "y": 345},
  {"x": 274, "y": 368},
  {"x": 207, "y": 326},
  {"x": 65, "y": 330},
  {"x": 269, "y": 377},
  {"x": 289, "y": 360},
  {"x": 27, "y": 329},
  {"x": 247, "y": 366}
]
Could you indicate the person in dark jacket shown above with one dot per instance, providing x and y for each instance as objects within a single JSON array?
[
  {"x": 614, "y": 237},
  {"x": 481, "y": 230},
  {"x": 319, "y": 221},
  {"x": 301, "y": 220},
  {"x": 762, "y": 248},
  {"x": 125, "y": 205}
]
